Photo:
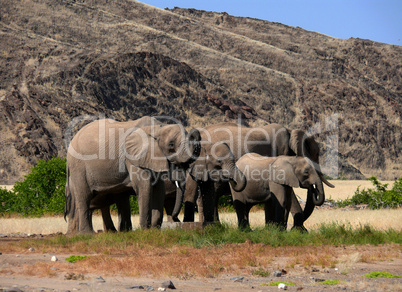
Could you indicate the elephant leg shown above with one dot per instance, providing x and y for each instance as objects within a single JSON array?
[
  {"x": 143, "y": 189},
  {"x": 190, "y": 196},
  {"x": 124, "y": 212},
  {"x": 157, "y": 203},
  {"x": 200, "y": 207},
  {"x": 269, "y": 209},
  {"x": 220, "y": 189},
  {"x": 279, "y": 199},
  {"x": 208, "y": 201},
  {"x": 297, "y": 213},
  {"x": 107, "y": 220},
  {"x": 82, "y": 221},
  {"x": 242, "y": 214},
  {"x": 169, "y": 206}
]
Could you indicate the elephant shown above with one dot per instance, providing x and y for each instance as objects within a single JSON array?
[
  {"x": 270, "y": 181},
  {"x": 215, "y": 163},
  {"x": 270, "y": 140},
  {"x": 108, "y": 160}
]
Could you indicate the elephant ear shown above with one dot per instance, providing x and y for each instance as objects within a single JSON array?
[
  {"x": 198, "y": 169},
  {"x": 142, "y": 150},
  {"x": 304, "y": 145},
  {"x": 282, "y": 172}
]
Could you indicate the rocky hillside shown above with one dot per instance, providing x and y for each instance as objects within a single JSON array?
[{"x": 62, "y": 61}]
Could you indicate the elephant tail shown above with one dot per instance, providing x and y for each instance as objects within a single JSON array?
[{"x": 68, "y": 197}]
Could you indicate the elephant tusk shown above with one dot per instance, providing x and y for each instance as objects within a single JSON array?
[
  {"x": 177, "y": 184},
  {"x": 325, "y": 181}
]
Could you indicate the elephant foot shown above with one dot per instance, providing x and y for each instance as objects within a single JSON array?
[
  {"x": 204, "y": 224},
  {"x": 300, "y": 228},
  {"x": 175, "y": 219}
]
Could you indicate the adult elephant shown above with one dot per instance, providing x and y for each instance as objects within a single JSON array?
[
  {"x": 270, "y": 181},
  {"x": 108, "y": 159},
  {"x": 270, "y": 140}
]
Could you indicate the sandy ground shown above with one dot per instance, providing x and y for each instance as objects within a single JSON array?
[{"x": 21, "y": 271}]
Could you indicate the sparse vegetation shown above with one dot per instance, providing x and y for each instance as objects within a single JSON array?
[
  {"x": 260, "y": 272},
  {"x": 75, "y": 258},
  {"x": 375, "y": 275},
  {"x": 329, "y": 282},
  {"x": 219, "y": 235},
  {"x": 379, "y": 197},
  {"x": 276, "y": 283}
]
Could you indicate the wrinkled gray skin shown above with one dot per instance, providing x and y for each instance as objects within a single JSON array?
[
  {"x": 108, "y": 160},
  {"x": 271, "y": 140},
  {"x": 270, "y": 181},
  {"x": 215, "y": 164}
]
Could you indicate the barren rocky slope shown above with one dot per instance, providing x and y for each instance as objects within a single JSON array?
[{"x": 60, "y": 60}]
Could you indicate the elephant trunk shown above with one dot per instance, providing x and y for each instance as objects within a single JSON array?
[
  {"x": 179, "y": 200},
  {"x": 318, "y": 195},
  {"x": 194, "y": 145},
  {"x": 238, "y": 182},
  {"x": 309, "y": 207}
]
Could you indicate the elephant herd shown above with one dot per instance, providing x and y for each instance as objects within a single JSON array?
[{"x": 164, "y": 165}]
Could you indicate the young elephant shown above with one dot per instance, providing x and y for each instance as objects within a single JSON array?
[{"x": 270, "y": 180}]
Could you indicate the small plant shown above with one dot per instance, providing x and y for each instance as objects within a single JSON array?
[
  {"x": 260, "y": 272},
  {"x": 375, "y": 275},
  {"x": 329, "y": 282},
  {"x": 75, "y": 258},
  {"x": 276, "y": 283},
  {"x": 377, "y": 198}
]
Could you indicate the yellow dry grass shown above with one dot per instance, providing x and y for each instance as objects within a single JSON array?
[
  {"x": 379, "y": 219},
  {"x": 343, "y": 188}
]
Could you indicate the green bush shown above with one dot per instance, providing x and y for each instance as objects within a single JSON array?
[
  {"x": 41, "y": 191},
  {"x": 377, "y": 198},
  {"x": 6, "y": 201}
]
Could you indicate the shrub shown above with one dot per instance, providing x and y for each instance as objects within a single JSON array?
[
  {"x": 375, "y": 275},
  {"x": 377, "y": 198},
  {"x": 75, "y": 258},
  {"x": 329, "y": 282},
  {"x": 6, "y": 201},
  {"x": 42, "y": 190}
]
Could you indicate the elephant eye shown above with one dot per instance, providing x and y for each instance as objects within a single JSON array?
[{"x": 171, "y": 146}]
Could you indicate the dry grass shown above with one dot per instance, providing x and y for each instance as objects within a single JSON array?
[
  {"x": 379, "y": 219},
  {"x": 343, "y": 188},
  {"x": 211, "y": 262}
]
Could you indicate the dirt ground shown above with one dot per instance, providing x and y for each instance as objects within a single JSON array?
[{"x": 35, "y": 271}]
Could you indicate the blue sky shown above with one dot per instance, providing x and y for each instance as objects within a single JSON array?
[{"x": 377, "y": 20}]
